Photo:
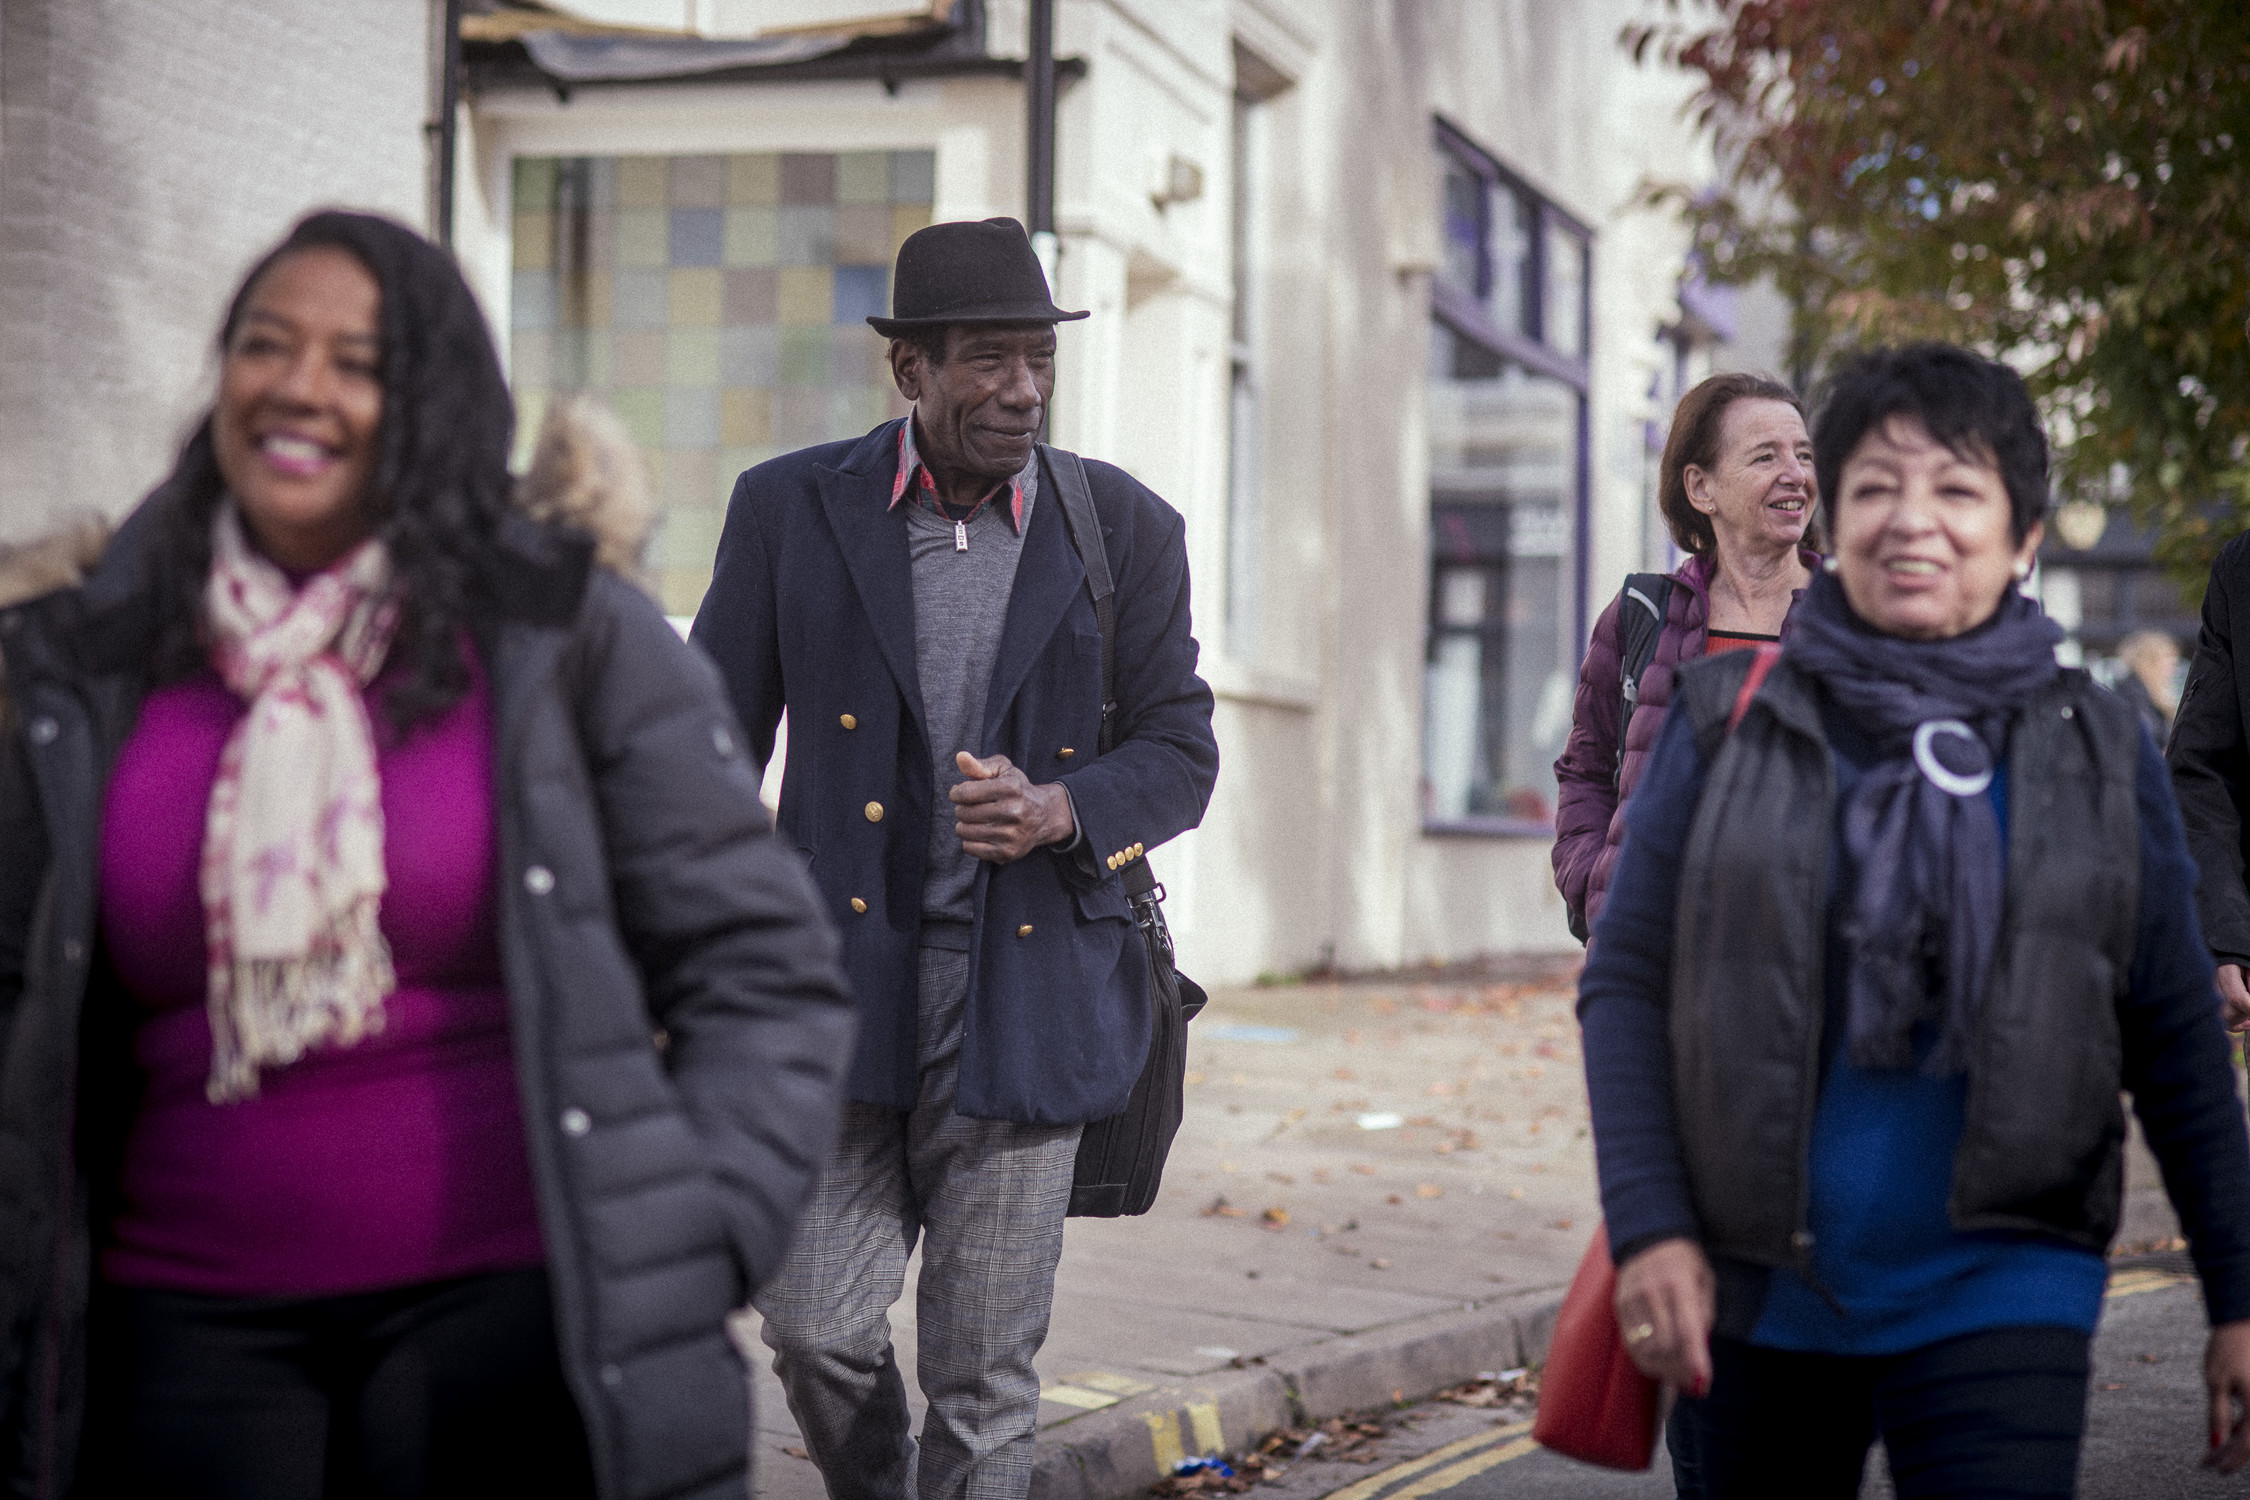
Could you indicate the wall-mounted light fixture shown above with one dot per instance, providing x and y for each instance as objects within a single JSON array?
[{"x": 1177, "y": 181}]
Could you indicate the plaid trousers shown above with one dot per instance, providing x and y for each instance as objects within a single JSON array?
[{"x": 987, "y": 1199}]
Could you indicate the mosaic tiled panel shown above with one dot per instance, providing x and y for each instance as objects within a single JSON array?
[{"x": 716, "y": 304}]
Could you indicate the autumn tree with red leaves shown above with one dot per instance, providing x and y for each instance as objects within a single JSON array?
[{"x": 2062, "y": 183}]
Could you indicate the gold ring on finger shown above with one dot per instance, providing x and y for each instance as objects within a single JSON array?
[{"x": 1640, "y": 1333}]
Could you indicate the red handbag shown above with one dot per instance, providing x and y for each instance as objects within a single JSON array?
[{"x": 1594, "y": 1404}]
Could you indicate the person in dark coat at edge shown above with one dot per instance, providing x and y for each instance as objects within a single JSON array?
[
  {"x": 1736, "y": 489},
  {"x": 2209, "y": 756},
  {"x": 413, "y": 1042},
  {"x": 913, "y": 600}
]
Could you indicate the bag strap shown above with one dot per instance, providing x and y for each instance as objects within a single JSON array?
[
  {"x": 1761, "y": 662},
  {"x": 1642, "y": 606},
  {"x": 1069, "y": 474}
]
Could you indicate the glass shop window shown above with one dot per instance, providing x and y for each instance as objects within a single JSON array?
[
  {"x": 1497, "y": 683},
  {"x": 1507, "y": 425}
]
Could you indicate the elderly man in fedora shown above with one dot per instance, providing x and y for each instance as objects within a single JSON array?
[{"x": 914, "y": 600}]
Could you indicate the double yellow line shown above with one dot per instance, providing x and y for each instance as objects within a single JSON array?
[{"x": 1443, "y": 1468}]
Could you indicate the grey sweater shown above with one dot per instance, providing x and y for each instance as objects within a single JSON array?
[{"x": 960, "y": 605}]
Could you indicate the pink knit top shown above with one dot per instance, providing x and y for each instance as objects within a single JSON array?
[{"x": 396, "y": 1161}]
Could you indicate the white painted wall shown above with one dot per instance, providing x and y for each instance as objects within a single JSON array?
[{"x": 149, "y": 151}]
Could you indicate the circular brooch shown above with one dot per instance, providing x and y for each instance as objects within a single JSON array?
[{"x": 1952, "y": 756}]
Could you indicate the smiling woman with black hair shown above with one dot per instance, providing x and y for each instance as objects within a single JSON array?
[
  {"x": 416, "y": 1045},
  {"x": 1855, "y": 1095}
]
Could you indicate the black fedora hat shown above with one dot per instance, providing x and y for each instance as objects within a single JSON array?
[{"x": 968, "y": 273}]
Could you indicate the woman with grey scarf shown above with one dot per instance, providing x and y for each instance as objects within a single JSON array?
[{"x": 1856, "y": 1094}]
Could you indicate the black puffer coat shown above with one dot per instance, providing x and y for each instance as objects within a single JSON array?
[
  {"x": 2209, "y": 755},
  {"x": 641, "y": 899}
]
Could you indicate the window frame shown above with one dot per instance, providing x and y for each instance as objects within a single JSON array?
[{"x": 1463, "y": 312}]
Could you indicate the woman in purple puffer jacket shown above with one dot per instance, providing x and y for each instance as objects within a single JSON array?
[{"x": 1736, "y": 489}]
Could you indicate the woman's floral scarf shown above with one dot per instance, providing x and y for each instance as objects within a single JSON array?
[{"x": 292, "y": 876}]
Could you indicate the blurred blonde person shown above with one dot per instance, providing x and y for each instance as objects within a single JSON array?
[{"x": 2152, "y": 664}]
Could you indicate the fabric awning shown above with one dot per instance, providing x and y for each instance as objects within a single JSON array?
[{"x": 704, "y": 20}]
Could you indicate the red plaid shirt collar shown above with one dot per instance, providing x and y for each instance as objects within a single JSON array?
[{"x": 915, "y": 475}]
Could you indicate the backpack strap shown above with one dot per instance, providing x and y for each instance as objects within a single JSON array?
[{"x": 1643, "y": 605}]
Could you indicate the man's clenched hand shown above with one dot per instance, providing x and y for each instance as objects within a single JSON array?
[{"x": 1001, "y": 816}]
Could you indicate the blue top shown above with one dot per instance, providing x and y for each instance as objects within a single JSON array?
[{"x": 1883, "y": 1140}]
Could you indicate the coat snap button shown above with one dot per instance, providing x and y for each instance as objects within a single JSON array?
[
  {"x": 2069, "y": 712},
  {"x": 44, "y": 730},
  {"x": 539, "y": 880},
  {"x": 722, "y": 741},
  {"x": 874, "y": 812},
  {"x": 576, "y": 1121},
  {"x": 612, "y": 1376},
  {"x": 858, "y": 905},
  {"x": 1065, "y": 753},
  {"x": 1024, "y": 930},
  {"x": 849, "y": 721}
]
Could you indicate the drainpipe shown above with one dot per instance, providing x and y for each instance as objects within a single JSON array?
[
  {"x": 1039, "y": 131},
  {"x": 449, "y": 109}
]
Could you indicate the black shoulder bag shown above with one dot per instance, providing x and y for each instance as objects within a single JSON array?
[{"x": 1121, "y": 1159}]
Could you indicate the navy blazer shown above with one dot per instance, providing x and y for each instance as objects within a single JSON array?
[{"x": 812, "y": 608}]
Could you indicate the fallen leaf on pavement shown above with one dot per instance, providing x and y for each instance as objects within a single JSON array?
[
  {"x": 1394, "y": 1198},
  {"x": 1428, "y": 1190},
  {"x": 1560, "y": 1224},
  {"x": 1515, "y": 1192},
  {"x": 1281, "y": 1177},
  {"x": 1344, "y": 1075},
  {"x": 796, "y": 1452},
  {"x": 1219, "y": 1208},
  {"x": 1275, "y": 1217},
  {"x": 1363, "y": 1169},
  {"x": 1381, "y": 1263}
]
